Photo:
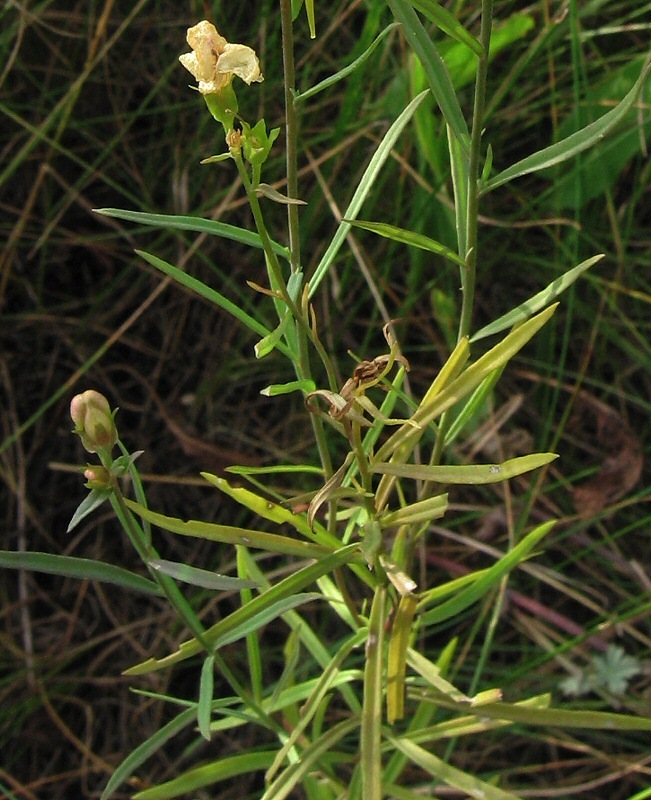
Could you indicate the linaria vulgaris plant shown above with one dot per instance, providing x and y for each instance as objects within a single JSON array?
[{"x": 371, "y": 711}]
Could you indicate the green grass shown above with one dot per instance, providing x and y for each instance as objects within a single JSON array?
[{"x": 97, "y": 114}]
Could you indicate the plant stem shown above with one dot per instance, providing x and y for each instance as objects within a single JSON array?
[
  {"x": 472, "y": 203},
  {"x": 291, "y": 133}
]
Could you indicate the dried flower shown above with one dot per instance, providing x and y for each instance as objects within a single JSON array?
[
  {"x": 94, "y": 422},
  {"x": 214, "y": 62}
]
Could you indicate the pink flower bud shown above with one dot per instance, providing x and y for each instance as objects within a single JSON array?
[
  {"x": 93, "y": 420},
  {"x": 98, "y": 477}
]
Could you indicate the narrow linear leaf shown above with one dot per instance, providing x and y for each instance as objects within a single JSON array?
[
  {"x": 371, "y": 730},
  {"x": 286, "y": 588},
  {"x": 488, "y": 578},
  {"x": 410, "y": 238},
  {"x": 463, "y": 384},
  {"x": 448, "y": 23},
  {"x": 565, "y": 718},
  {"x": 264, "y": 190},
  {"x": 442, "y": 771},
  {"x": 434, "y": 67},
  {"x": 474, "y": 474},
  {"x": 299, "y": 97},
  {"x": 206, "y": 688},
  {"x": 537, "y": 302},
  {"x": 363, "y": 188},
  {"x": 291, "y": 777},
  {"x": 229, "y": 534},
  {"x": 147, "y": 749},
  {"x": 312, "y": 703},
  {"x": 209, "y": 294},
  {"x": 93, "y": 500},
  {"x": 274, "y": 512},
  {"x": 209, "y": 774},
  {"x": 432, "y": 674},
  {"x": 397, "y": 657},
  {"x": 200, "y": 577},
  {"x": 187, "y": 223},
  {"x": 575, "y": 143},
  {"x": 85, "y": 569},
  {"x": 422, "y": 511},
  {"x": 276, "y": 389}
]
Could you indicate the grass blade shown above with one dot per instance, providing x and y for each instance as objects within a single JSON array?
[{"x": 442, "y": 771}]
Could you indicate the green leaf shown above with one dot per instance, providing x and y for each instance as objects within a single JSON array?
[
  {"x": 229, "y": 534},
  {"x": 274, "y": 512},
  {"x": 209, "y": 774},
  {"x": 488, "y": 578},
  {"x": 148, "y": 748},
  {"x": 537, "y": 302},
  {"x": 448, "y": 23},
  {"x": 419, "y": 512},
  {"x": 438, "y": 77},
  {"x": 410, "y": 238},
  {"x": 397, "y": 657},
  {"x": 442, "y": 771},
  {"x": 473, "y": 474},
  {"x": 200, "y": 577},
  {"x": 287, "y": 588},
  {"x": 308, "y": 762},
  {"x": 363, "y": 188},
  {"x": 264, "y": 190},
  {"x": 434, "y": 404},
  {"x": 600, "y": 169},
  {"x": 211, "y": 295},
  {"x": 93, "y": 500},
  {"x": 276, "y": 389},
  {"x": 315, "y": 698},
  {"x": 299, "y": 97},
  {"x": 83, "y": 568},
  {"x": 206, "y": 688},
  {"x": 575, "y": 143},
  {"x": 198, "y": 224},
  {"x": 615, "y": 668},
  {"x": 564, "y": 718},
  {"x": 371, "y": 730}
]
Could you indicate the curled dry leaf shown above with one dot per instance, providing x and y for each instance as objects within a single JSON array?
[{"x": 621, "y": 462}]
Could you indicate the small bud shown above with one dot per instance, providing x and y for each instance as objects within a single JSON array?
[
  {"x": 94, "y": 422},
  {"x": 97, "y": 477},
  {"x": 234, "y": 140}
]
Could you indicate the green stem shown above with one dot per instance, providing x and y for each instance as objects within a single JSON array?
[
  {"x": 302, "y": 364},
  {"x": 147, "y": 553},
  {"x": 472, "y": 203},
  {"x": 291, "y": 133}
]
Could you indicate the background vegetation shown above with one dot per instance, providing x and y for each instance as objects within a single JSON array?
[{"x": 96, "y": 113}]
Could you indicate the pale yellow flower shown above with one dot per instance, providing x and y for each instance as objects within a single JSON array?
[{"x": 214, "y": 62}]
